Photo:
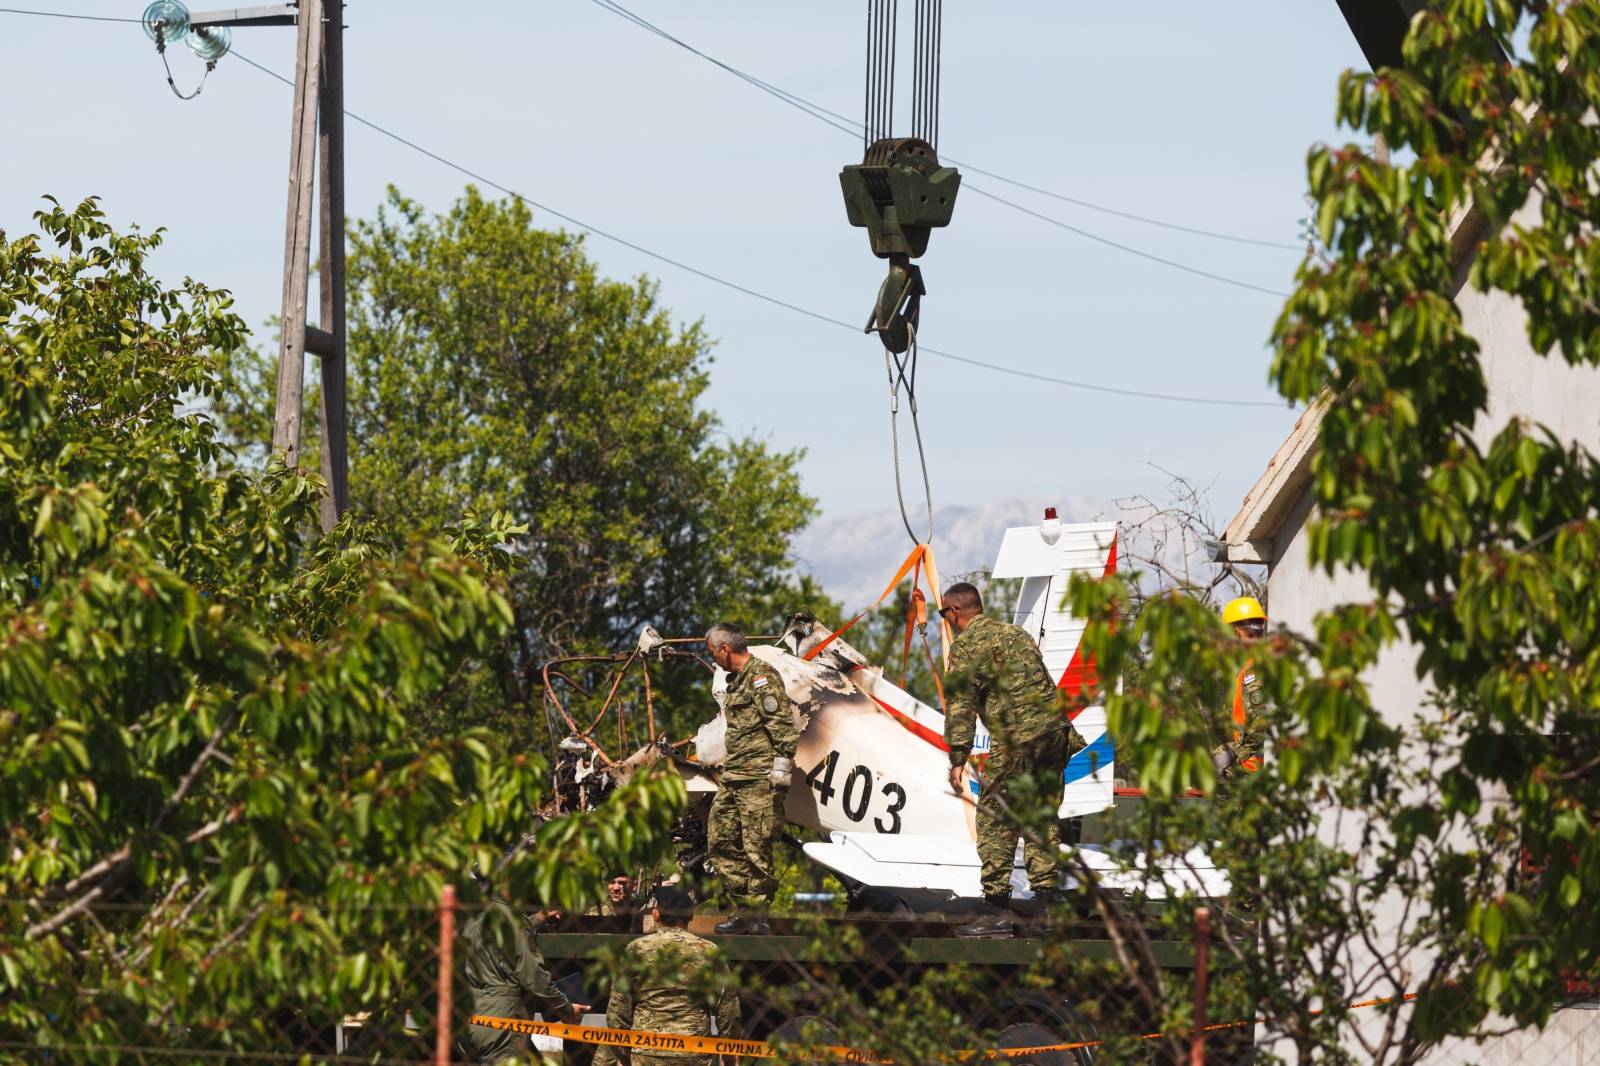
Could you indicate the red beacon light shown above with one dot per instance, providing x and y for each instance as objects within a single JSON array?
[{"x": 1050, "y": 528}]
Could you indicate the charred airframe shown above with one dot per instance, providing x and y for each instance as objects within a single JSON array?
[{"x": 871, "y": 763}]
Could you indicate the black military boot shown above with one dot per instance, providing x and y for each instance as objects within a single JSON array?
[
  {"x": 998, "y": 922},
  {"x": 732, "y": 925},
  {"x": 736, "y": 924}
]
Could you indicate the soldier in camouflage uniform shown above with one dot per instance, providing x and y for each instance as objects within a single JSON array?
[
  {"x": 996, "y": 670},
  {"x": 1243, "y": 755},
  {"x": 507, "y": 978},
  {"x": 673, "y": 982},
  {"x": 619, "y": 901},
  {"x": 755, "y": 777}
]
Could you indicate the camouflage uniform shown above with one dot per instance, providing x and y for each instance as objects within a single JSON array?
[
  {"x": 747, "y": 809},
  {"x": 607, "y": 909},
  {"x": 672, "y": 982},
  {"x": 1249, "y": 703},
  {"x": 507, "y": 978},
  {"x": 995, "y": 668}
]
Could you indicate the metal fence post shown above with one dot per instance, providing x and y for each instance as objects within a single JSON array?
[
  {"x": 447, "y": 937},
  {"x": 1202, "y": 943}
]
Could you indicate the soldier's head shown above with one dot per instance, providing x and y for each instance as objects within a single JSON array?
[
  {"x": 672, "y": 906},
  {"x": 728, "y": 647},
  {"x": 961, "y": 605},
  {"x": 618, "y": 887}
]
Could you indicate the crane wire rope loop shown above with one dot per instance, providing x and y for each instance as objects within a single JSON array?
[{"x": 902, "y": 372}]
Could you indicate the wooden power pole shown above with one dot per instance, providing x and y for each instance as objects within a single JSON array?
[
  {"x": 317, "y": 136},
  {"x": 335, "y": 431}
]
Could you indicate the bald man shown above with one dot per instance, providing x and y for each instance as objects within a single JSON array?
[{"x": 996, "y": 671}]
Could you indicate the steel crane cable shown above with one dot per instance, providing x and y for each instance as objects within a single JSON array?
[
  {"x": 1138, "y": 394},
  {"x": 876, "y": 70},
  {"x": 851, "y": 126},
  {"x": 901, "y": 371},
  {"x": 900, "y": 367},
  {"x": 929, "y": 37},
  {"x": 878, "y": 114},
  {"x": 1142, "y": 394}
]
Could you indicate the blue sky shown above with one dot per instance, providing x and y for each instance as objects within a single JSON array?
[{"x": 1200, "y": 114}]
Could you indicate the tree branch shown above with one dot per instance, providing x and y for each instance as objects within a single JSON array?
[{"x": 114, "y": 867}]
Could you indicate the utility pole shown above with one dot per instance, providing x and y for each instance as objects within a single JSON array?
[
  {"x": 317, "y": 135},
  {"x": 335, "y": 431},
  {"x": 318, "y": 94}
]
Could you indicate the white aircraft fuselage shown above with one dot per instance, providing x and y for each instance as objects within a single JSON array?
[{"x": 872, "y": 768}]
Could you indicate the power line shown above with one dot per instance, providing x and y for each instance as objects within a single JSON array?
[
  {"x": 706, "y": 275},
  {"x": 65, "y": 15},
  {"x": 853, "y": 128},
  {"x": 1236, "y": 239},
  {"x": 1174, "y": 264},
  {"x": 834, "y": 119},
  {"x": 759, "y": 295}
]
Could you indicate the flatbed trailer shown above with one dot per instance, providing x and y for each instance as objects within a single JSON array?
[{"x": 875, "y": 955}]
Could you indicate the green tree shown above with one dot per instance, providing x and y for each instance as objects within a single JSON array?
[
  {"x": 219, "y": 811},
  {"x": 1479, "y": 552},
  {"x": 493, "y": 369},
  {"x": 1453, "y": 855}
]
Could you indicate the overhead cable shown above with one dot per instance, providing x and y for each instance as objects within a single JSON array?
[
  {"x": 821, "y": 114},
  {"x": 1139, "y": 394},
  {"x": 759, "y": 295},
  {"x": 854, "y": 128},
  {"x": 879, "y": 110},
  {"x": 65, "y": 15},
  {"x": 802, "y": 105},
  {"x": 1174, "y": 264}
]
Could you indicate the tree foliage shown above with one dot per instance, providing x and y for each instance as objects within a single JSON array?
[
  {"x": 1454, "y": 856},
  {"x": 1401, "y": 875},
  {"x": 215, "y": 794},
  {"x": 492, "y": 368}
]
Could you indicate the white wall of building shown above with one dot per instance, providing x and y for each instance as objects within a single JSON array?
[{"x": 1522, "y": 384}]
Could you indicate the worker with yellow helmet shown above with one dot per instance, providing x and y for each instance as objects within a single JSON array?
[{"x": 1249, "y": 621}]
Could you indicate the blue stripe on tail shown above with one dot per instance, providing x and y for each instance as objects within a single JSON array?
[{"x": 1089, "y": 759}]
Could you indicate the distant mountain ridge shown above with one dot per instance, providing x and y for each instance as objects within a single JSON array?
[{"x": 853, "y": 556}]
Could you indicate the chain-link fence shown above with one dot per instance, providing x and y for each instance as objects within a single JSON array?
[
  {"x": 184, "y": 981},
  {"x": 821, "y": 983}
]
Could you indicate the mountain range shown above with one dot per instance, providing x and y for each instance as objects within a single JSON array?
[{"x": 854, "y": 556}]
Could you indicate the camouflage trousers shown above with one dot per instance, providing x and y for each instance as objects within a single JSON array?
[
  {"x": 485, "y": 1044},
  {"x": 744, "y": 822},
  {"x": 608, "y": 1056},
  {"x": 1028, "y": 772}
]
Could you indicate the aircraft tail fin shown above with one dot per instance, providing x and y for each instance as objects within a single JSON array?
[{"x": 1045, "y": 557}]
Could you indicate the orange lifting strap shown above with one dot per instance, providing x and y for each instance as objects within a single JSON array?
[{"x": 921, "y": 558}]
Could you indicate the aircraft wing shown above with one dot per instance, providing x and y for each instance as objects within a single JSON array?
[{"x": 919, "y": 863}]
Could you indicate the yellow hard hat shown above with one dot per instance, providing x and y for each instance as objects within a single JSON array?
[{"x": 1243, "y": 609}]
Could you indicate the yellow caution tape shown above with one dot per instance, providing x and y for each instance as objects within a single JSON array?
[{"x": 647, "y": 1040}]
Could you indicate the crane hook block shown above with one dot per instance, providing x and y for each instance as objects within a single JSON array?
[
  {"x": 900, "y": 194},
  {"x": 899, "y": 304}
]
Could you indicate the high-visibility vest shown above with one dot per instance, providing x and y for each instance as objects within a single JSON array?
[{"x": 1252, "y": 764}]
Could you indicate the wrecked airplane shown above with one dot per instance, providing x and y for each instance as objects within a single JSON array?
[{"x": 871, "y": 763}]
